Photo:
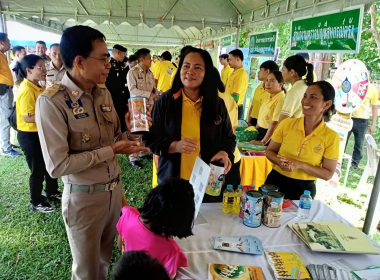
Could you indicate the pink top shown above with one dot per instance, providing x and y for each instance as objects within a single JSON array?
[{"x": 137, "y": 237}]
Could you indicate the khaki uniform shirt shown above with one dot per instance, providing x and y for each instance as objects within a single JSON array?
[
  {"x": 54, "y": 76},
  {"x": 141, "y": 83},
  {"x": 46, "y": 59},
  {"x": 77, "y": 147}
]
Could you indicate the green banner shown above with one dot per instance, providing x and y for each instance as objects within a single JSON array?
[
  {"x": 263, "y": 44},
  {"x": 226, "y": 41},
  {"x": 331, "y": 33}
]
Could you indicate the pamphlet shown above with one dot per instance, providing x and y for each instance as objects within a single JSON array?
[
  {"x": 371, "y": 273},
  {"x": 237, "y": 272},
  {"x": 287, "y": 265},
  {"x": 337, "y": 270},
  {"x": 241, "y": 244}
]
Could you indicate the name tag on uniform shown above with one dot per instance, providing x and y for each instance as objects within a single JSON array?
[
  {"x": 106, "y": 108},
  {"x": 81, "y": 116},
  {"x": 52, "y": 75}
]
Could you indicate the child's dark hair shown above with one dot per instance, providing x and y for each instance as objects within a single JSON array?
[
  {"x": 279, "y": 78},
  {"x": 170, "y": 208},
  {"x": 301, "y": 67},
  {"x": 139, "y": 265},
  {"x": 28, "y": 61},
  {"x": 328, "y": 93}
]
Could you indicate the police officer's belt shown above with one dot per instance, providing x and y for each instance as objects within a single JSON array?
[{"x": 95, "y": 188}]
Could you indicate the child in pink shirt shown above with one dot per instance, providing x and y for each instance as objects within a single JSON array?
[{"x": 168, "y": 211}]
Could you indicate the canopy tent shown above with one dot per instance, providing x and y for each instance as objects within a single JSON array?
[{"x": 163, "y": 22}]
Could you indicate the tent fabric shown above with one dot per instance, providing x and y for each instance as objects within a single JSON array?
[{"x": 163, "y": 22}]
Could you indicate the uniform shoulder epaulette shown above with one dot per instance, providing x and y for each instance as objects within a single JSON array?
[
  {"x": 51, "y": 91},
  {"x": 103, "y": 86},
  {"x": 133, "y": 68}
]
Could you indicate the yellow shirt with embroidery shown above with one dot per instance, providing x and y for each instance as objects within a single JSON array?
[
  {"x": 163, "y": 73},
  {"x": 190, "y": 129},
  {"x": 322, "y": 143},
  {"x": 173, "y": 76},
  {"x": 292, "y": 107},
  {"x": 226, "y": 72},
  {"x": 6, "y": 77},
  {"x": 257, "y": 100},
  {"x": 232, "y": 110},
  {"x": 26, "y": 104},
  {"x": 238, "y": 83},
  {"x": 270, "y": 110}
]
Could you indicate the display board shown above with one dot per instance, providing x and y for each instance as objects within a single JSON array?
[
  {"x": 263, "y": 44},
  {"x": 226, "y": 41}
]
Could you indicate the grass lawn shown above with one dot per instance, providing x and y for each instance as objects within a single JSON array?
[{"x": 34, "y": 245}]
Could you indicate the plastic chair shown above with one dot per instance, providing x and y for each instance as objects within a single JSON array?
[{"x": 372, "y": 160}]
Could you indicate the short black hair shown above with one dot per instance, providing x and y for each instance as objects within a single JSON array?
[
  {"x": 166, "y": 55},
  {"x": 170, "y": 208},
  {"x": 328, "y": 93},
  {"x": 270, "y": 65},
  {"x": 16, "y": 49},
  {"x": 139, "y": 265},
  {"x": 77, "y": 40},
  {"x": 54, "y": 45},
  {"x": 141, "y": 53},
  {"x": 304, "y": 55},
  {"x": 28, "y": 61},
  {"x": 3, "y": 36},
  {"x": 125, "y": 59},
  {"x": 237, "y": 53},
  {"x": 132, "y": 58},
  {"x": 120, "y": 48},
  {"x": 225, "y": 56},
  {"x": 41, "y": 43}
]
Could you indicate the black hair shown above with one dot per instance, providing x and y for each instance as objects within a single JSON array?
[
  {"x": 41, "y": 43},
  {"x": 225, "y": 56},
  {"x": 139, "y": 265},
  {"x": 304, "y": 55},
  {"x": 170, "y": 208},
  {"x": 16, "y": 49},
  {"x": 166, "y": 55},
  {"x": 328, "y": 93},
  {"x": 141, "y": 53},
  {"x": 120, "y": 48},
  {"x": 221, "y": 86},
  {"x": 28, "y": 61},
  {"x": 208, "y": 88},
  {"x": 185, "y": 49},
  {"x": 125, "y": 59},
  {"x": 270, "y": 65},
  {"x": 54, "y": 45},
  {"x": 77, "y": 40},
  {"x": 301, "y": 67},
  {"x": 132, "y": 58},
  {"x": 279, "y": 78},
  {"x": 3, "y": 36},
  {"x": 237, "y": 53}
]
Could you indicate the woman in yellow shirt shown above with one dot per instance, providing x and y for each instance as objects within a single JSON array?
[
  {"x": 304, "y": 149},
  {"x": 270, "y": 110},
  {"x": 32, "y": 70}
]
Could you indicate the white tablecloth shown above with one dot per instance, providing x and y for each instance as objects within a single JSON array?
[{"x": 199, "y": 251}]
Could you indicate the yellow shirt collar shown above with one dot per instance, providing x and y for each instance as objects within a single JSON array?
[
  {"x": 318, "y": 131},
  {"x": 33, "y": 86}
]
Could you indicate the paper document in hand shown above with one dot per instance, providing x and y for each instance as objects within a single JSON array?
[
  {"x": 237, "y": 272},
  {"x": 199, "y": 179}
]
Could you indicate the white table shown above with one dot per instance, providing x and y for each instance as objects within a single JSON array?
[{"x": 199, "y": 251}]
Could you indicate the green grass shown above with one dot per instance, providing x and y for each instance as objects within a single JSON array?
[{"x": 34, "y": 245}]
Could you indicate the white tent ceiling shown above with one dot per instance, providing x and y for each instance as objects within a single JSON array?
[{"x": 163, "y": 22}]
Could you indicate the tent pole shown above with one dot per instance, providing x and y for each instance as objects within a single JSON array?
[
  {"x": 238, "y": 36},
  {"x": 372, "y": 206}
]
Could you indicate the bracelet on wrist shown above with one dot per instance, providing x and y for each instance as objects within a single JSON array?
[{"x": 131, "y": 138}]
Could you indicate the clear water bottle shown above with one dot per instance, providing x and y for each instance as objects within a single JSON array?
[
  {"x": 237, "y": 201},
  {"x": 228, "y": 199},
  {"x": 305, "y": 205}
]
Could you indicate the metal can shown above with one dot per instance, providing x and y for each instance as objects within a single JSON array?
[
  {"x": 245, "y": 189},
  {"x": 268, "y": 188},
  {"x": 272, "y": 209},
  {"x": 253, "y": 209}
]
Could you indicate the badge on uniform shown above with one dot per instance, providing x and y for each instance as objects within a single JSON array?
[
  {"x": 106, "y": 107},
  {"x": 86, "y": 137},
  {"x": 77, "y": 108},
  {"x": 139, "y": 76}
]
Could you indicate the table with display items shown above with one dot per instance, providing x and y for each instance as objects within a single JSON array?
[{"x": 200, "y": 252}]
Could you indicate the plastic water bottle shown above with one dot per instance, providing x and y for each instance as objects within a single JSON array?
[
  {"x": 228, "y": 199},
  {"x": 305, "y": 205},
  {"x": 237, "y": 201}
]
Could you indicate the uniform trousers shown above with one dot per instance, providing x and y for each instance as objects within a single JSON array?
[
  {"x": 30, "y": 145},
  {"x": 6, "y": 103},
  {"x": 90, "y": 219}
]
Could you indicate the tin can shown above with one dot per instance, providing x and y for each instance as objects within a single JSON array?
[
  {"x": 253, "y": 209},
  {"x": 272, "y": 209},
  {"x": 245, "y": 189},
  {"x": 139, "y": 121},
  {"x": 268, "y": 188},
  {"x": 216, "y": 179}
]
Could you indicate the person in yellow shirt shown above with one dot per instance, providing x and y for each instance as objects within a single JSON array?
[
  {"x": 227, "y": 70},
  {"x": 33, "y": 70},
  {"x": 237, "y": 82},
  {"x": 304, "y": 149},
  {"x": 260, "y": 92},
  {"x": 154, "y": 63},
  {"x": 163, "y": 72},
  {"x": 270, "y": 109},
  {"x": 293, "y": 69}
]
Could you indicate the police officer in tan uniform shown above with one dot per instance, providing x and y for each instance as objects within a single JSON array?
[
  {"x": 55, "y": 68},
  {"x": 80, "y": 137},
  {"x": 41, "y": 51}
]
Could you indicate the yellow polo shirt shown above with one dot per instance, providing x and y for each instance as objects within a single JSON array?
[
  {"x": 292, "y": 107},
  {"x": 257, "y": 100},
  {"x": 226, "y": 72},
  {"x": 6, "y": 77},
  {"x": 26, "y": 104},
  {"x": 233, "y": 114},
  {"x": 153, "y": 65},
  {"x": 191, "y": 129},
  {"x": 163, "y": 73},
  {"x": 371, "y": 99},
  {"x": 322, "y": 143},
  {"x": 315, "y": 77},
  {"x": 270, "y": 110},
  {"x": 173, "y": 76},
  {"x": 238, "y": 83}
]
